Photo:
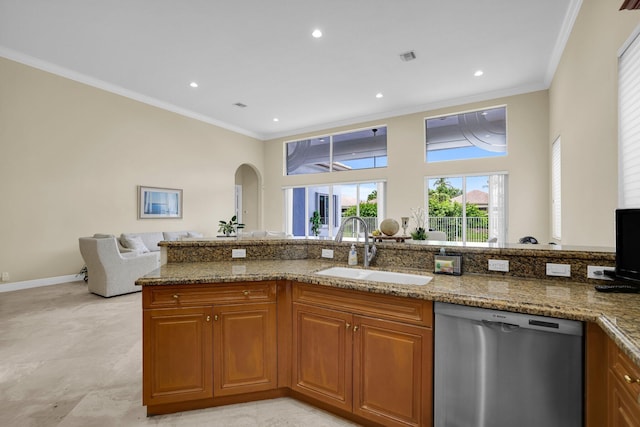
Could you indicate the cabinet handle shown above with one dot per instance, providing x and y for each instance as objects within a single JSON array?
[
  {"x": 355, "y": 328},
  {"x": 630, "y": 380},
  {"x": 208, "y": 318},
  {"x": 348, "y": 325},
  {"x": 245, "y": 293},
  {"x": 176, "y": 296},
  {"x": 215, "y": 317}
]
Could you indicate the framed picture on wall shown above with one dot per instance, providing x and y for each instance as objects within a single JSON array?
[{"x": 159, "y": 202}]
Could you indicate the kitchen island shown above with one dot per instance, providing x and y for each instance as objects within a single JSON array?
[{"x": 617, "y": 315}]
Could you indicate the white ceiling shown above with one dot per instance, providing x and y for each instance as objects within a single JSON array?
[{"x": 261, "y": 53}]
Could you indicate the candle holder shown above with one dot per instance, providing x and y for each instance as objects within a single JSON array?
[{"x": 405, "y": 224}]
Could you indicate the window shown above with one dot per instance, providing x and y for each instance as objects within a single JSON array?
[
  {"x": 468, "y": 208},
  {"x": 333, "y": 203},
  {"x": 477, "y": 134},
  {"x": 556, "y": 187},
  {"x": 362, "y": 149},
  {"x": 629, "y": 144}
]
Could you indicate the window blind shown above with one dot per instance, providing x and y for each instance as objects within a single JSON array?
[
  {"x": 629, "y": 116},
  {"x": 630, "y": 5},
  {"x": 556, "y": 189}
]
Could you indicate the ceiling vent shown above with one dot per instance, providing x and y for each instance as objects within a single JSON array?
[
  {"x": 408, "y": 56},
  {"x": 240, "y": 105}
]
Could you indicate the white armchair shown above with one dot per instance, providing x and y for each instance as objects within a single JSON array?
[{"x": 113, "y": 273}]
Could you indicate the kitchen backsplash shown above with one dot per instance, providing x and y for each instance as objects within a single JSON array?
[{"x": 524, "y": 260}]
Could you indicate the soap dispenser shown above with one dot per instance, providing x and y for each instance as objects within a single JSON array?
[{"x": 353, "y": 256}]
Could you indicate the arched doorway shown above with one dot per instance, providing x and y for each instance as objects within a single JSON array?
[{"x": 247, "y": 197}]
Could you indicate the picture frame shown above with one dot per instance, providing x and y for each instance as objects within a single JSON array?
[{"x": 155, "y": 202}]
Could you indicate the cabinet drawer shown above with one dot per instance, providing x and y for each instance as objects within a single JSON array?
[
  {"x": 401, "y": 309},
  {"x": 626, "y": 373},
  {"x": 228, "y": 293}
]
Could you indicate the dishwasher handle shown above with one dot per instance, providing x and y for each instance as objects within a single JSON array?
[{"x": 503, "y": 326}]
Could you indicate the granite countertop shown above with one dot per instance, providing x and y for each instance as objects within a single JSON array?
[{"x": 617, "y": 314}]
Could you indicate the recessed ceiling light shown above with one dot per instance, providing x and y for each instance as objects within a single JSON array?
[
  {"x": 484, "y": 113},
  {"x": 478, "y": 73},
  {"x": 379, "y": 95},
  {"x": 275, "y": 119},
  {"x": 316, "y": 33},
  {"x": 193, "y": 84}
]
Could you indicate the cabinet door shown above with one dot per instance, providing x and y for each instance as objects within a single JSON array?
[
  {"x": 623, "y": 411},
  {"x": 392, "y": 365},
  {"x": 322, "y": 354},
  {"x": 177, "y": 359},
  {"x": 624, "y": 389},
  {"x": 245, "y": 348}
]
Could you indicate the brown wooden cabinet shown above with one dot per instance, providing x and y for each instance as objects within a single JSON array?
[
  {"x": 177, "y": 353},
  {"x": 210, "y": 341},
  {"x": 322, "y": 354},
  {"x": 392, "y": 372},
  {"x": 623, "y": 389},
  {"x": 245, "y": 348},
  {"x": 361, "y": 361},
  {"x": 366, "y": 356}
]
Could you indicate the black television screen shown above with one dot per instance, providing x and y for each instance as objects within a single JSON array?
[{"x": 628, "y": 244}]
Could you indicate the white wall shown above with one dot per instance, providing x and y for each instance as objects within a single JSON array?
[
  {"x": 580, "y": 106},
  {"x": 583, "y": 105},
  {"x": 72, "y": 156},
  {"x": 526, "y": 163}
]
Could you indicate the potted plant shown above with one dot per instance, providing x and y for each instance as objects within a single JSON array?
[
  {"x": 229, "y": 227},
  {"x": 315, "y": 223},
  {"x": 420, "y": 232}
]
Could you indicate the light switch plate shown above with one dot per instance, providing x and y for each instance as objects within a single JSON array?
[
  {"x": 238, "y": 253},
  {"x": 561, "y": 270}
]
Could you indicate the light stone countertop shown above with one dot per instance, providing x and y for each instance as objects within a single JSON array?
[{"x": 617, "y": 314}]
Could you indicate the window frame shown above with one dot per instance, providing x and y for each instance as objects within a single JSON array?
[
  {"x": 331, "y": 160},
  {"x": 556, "y": 189},
  {"x": 336, "y": 218},
  {"x": 441, "y": 116},
  {"x": 505, "y": 202},
  {"x": 628, "y": 126}
]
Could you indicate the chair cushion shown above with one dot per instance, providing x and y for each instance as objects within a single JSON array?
[
  {"x": 150, "y": 239},
  {"x": 135, "y": 243}
]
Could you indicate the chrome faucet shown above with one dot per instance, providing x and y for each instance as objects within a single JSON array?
[{"x": 368, "y": 254}]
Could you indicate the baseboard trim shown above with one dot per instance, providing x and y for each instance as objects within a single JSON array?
[{"x": 47, "y": 281}]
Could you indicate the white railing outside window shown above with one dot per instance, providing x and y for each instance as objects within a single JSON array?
[{"x": 477, "y": 228}]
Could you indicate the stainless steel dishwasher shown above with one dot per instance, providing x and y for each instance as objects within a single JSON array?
[{"x": 501, "y": 369}]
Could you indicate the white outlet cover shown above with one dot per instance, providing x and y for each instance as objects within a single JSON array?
[
  {"x": 595, "y": 272},
  {"x": 561, "y": 270},
  {"x": 498, "y": 265},
  {"x": 238, "y": 253},
  {"x": 327, "y": 253}
]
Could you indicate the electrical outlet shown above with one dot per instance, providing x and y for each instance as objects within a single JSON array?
[
  {"x": 597, "y": 272},
  {"x": 498, "y": 265},
  {"x": 562, "y": 270},
  {"x": 238, "y": 253},
  {"x": 327, "y": 253},
  {"x": 5, "y": 276}
]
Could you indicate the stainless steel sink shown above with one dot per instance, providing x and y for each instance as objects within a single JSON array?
[{"x": 376, "y": 276}]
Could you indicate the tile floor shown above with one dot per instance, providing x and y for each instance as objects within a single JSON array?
[{"x": 71, "y": 358}]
